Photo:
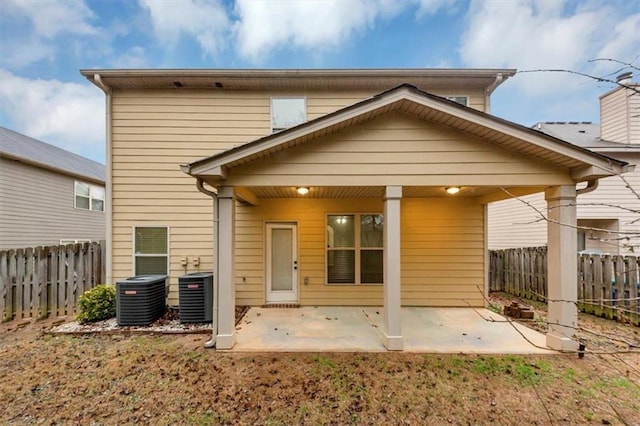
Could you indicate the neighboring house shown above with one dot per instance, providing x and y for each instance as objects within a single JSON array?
[
  {"x": 609, "y": 216},
  {"x": 327, "y": 187},
  {"x": 48, "y": 196}
]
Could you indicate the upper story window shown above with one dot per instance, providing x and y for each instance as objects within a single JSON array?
[
  {"x": 462, "y": 100},
  {"x": 88, "y": 196},
  {"x": 287, "y": 112}
]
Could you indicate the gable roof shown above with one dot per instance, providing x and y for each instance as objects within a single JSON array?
[
  {"x": 584, "y": 164},
  {"x": 20, "y": 147}
]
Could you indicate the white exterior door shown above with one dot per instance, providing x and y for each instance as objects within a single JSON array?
[{"x": 282, "y": 263}]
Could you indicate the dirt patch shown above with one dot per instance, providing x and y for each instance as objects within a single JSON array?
[
  {"x": 599, "y": 335},
  {"x": 174, "y": 380}
]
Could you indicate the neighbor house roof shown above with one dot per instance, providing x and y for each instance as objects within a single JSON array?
[
  {"x": 304, "y": 79},
  {"x": 584, "y": 164},
  {"x": 32, "y": 151},
  {"x": 584, "y": 134}
]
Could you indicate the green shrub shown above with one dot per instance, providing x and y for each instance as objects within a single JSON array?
[{"x": 97, "y": 304}]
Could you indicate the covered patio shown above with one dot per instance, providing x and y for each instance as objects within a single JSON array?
[
  {"x": 359, "y": 329},
  {"x": 390, "y": 159}
]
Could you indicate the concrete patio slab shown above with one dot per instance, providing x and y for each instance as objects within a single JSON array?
[{"x": 358, "y": 329}]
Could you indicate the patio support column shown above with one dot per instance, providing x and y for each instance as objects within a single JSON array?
[
  {"x": 226, "y": 337},
  {"x": 392, "y": 303},
  {"x": 562, "y": 267}
]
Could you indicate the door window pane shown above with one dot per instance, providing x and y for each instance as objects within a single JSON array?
[{"x": 281, "y": 259}]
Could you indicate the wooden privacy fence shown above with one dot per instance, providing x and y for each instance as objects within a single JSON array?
[
  {"x": 608, "y": 286},
  {"x": 48, "y": 281}
]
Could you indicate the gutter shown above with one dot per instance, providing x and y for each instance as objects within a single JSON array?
[
  {"x": 489, "y": 90},
  {"x": 592, "y": 185},
  {"x": 109, "y": 180},
  {"x": 216, "y": 262}
]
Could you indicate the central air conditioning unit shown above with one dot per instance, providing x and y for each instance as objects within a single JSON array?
[
  {"x": 195, "y": 292},
  {"x": 141, "y": 300}
]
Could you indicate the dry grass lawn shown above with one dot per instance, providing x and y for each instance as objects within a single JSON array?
[{"x": 47, "y": 379}]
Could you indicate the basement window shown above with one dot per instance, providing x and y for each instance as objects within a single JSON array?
[
  {"x": 355, "y": 249},
  {"x": 287, "y": 112}
]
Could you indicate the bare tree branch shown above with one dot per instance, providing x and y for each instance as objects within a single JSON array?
[{"x": 601, "y": 79}]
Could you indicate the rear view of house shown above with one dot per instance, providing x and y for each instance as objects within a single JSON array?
[
  {"x": 328, "y": 187},
  {"x": 48, "y": 196}
]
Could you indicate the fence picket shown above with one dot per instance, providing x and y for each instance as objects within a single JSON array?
[
  {"x": 53, "y": 279},
  {"x": 42, "y": 282},
  {"x": 607, "y": 285},
  {"x": 47, "y": 281}
]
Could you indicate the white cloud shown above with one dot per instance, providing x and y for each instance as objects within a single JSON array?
[
  {"x": 31, "y": 50},
  {"x": 206, "y": 21},
  {"x": 538, "y": 35},
  {"x": 624, "y": 42},
  {"x": 69, "y": 115},
  {"x": 313, "y": 24},
  {"x": 31, "y": 29},
  {"x": 51, "y": 17}
]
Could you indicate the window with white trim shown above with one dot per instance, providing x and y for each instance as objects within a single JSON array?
[
  {"x": 88, "y": 196},
  {"x": 462, "y": 100},
  {"x": 355, "y": 249},
  {"x": 287, "y": 112},
  {"x": 151, "y": 250}
]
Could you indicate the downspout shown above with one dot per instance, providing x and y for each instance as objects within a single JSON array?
[
  {"x": 216, "y": 250},
  {"x": 489, "y": 91},
  {"x": 108, "y": 184},
  {"x": 592, "y": 185}
]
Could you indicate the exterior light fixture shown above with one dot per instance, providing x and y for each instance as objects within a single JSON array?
[
  {"x": 452, "y": 190},
  {"x": 302, "y": 190}
]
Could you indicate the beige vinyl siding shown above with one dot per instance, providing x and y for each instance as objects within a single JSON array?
[
  {"x": 512, "y": 223},
  {"x": 619, "y": 118},
  {"x": 634, "y": 118},
  {"x": 517, "y": 223},
  {"x": 442, "y": 251},
  {"x": 397, "y": 149},
  {"x": 153, "y": 133},
  {"x": 37, "y": 208}
]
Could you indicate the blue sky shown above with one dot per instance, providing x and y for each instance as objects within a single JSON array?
[{"x": 44, "y": 43}]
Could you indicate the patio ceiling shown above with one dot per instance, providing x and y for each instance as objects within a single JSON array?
[{"x": 378, "y": 191}]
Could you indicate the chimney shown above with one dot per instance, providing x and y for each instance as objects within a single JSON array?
[{"x": 619, "y": 117}]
